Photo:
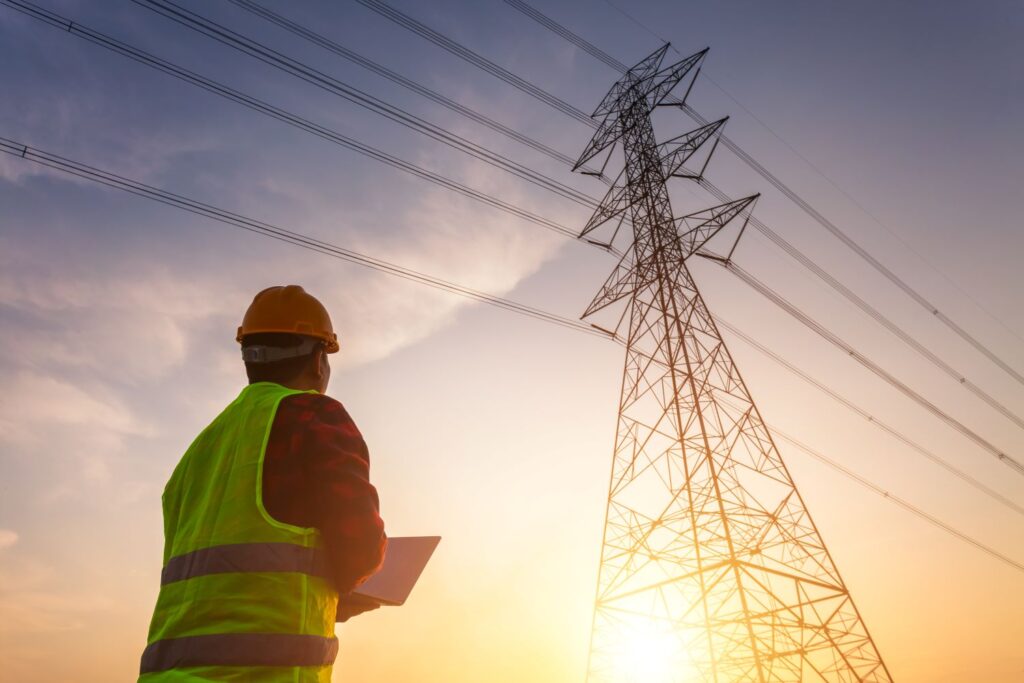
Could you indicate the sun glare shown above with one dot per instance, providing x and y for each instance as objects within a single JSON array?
[{"x": 647, "y": 651}]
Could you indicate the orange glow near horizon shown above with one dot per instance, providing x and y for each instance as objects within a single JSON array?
[
  {"x": 497, "y": 431},
  {"x": 649, "y": 651}
]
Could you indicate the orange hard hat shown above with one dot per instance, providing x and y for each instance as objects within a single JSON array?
[{"x": 289, "y": 309}]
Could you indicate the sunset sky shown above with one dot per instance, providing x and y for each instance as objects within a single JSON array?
[{"x": 900, "y": 122}]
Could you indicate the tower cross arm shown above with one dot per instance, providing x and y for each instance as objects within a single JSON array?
[
  {"x": 647, "y": 81},
  {"x": 607, "y": 134},
  {"x": 706, "y": 536},
  {"x": 694, "y": 230},
  {"x": 624, "y": 280},
  {"x": 668, "y": 78},
  {"x": 643, "y": 70},
  {"x": 613, "y": 205},
  {"x": 678, "y": 150}
]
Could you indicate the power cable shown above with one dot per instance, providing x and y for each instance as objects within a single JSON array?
[
  {"x": 788, "y": 192},
  {"x": 871, "y": 311},
  {"x": 143, "y": 190},
  {"x": 298, "y": 239},
  {"x": 836, "y": 232},
  {"x": 833, "y": 339},
  {"x": 142, "y": 57},
  {"x": 553, "y": 26},
  {"x": 477, "y": 60},
  {"x": 906, "y": 505},
  {"x": 391, "y": 75},
  {"x": 605, "y": 58},
  {"x": 138, "y": 55},
  {"x": 853, "y": 407},
  {"x": 319, "y": 79},
  {"x": 664, "y": 41},
  {"x": 897, "y": 500},
  {"x": 306, "y": 33},
  {"x": 461, "y": 51}
]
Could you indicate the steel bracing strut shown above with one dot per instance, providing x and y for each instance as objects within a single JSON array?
[{"x": 709, "y": 558}]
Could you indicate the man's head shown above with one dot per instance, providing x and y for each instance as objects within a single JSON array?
[
  {"x": 309, "y": 370},
  {"x": 286, "y": 335}
]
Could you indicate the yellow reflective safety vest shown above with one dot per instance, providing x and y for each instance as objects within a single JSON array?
[{"x": 243, "y": 597}]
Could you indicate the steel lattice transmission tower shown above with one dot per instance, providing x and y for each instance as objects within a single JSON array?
[{"x": 711, "y": 568}]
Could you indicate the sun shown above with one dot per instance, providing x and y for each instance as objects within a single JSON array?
[{"x": 649, "y": 651}]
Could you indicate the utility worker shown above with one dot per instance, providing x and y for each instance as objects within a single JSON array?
[{"x": 268, "y": 517}]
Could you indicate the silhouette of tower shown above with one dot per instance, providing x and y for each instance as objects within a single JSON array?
[{"x": 711, "y": 568}]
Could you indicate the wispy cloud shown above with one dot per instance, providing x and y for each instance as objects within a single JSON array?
[
  {"x": 7, "y": 538},
  {"x": 33, "y": 601}
]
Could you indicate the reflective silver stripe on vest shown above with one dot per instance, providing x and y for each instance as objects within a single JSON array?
[
  {"x": 239, "y": 649},
  {"x": 245, "y": 557}
]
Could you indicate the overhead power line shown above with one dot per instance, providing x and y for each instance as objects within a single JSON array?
[
  {"x": 836, "y": 232},
  {"x": 323, "y": 132},
  {"x": 318, "y": 39},
  {"x": 393, "y": 76},
  {"x": 553, "y": 26},
  {"x": 607, "y": 59},
  {"x": 461, "y": 51},
  {"x": 327, "y": 83},
  {"x": 854, "y": 408},
  {"x": 167, "y": 67},
  {"x": 777, "y": 183},
  {"x": 224, "y": 216},
  {"x": 477, "y": 60},
  {"x": 872, "y": 312},
  {"x": 274, "y": 232},
  {"x": 896, "y": 500},
  {"x": 833, "y": 339}
]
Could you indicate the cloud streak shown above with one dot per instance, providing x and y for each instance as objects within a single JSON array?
[{"x": 7, "y": 538}]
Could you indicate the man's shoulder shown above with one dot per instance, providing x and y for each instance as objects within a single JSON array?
[
  {"x": 321, "y": 422},
  {"x": 308, "y": 407},
  {"x": 312, "y": 399}
]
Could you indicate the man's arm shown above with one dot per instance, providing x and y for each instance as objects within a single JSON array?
[
  {"x": 346, "y": 502},
  {"x": 317, "y": 473}
]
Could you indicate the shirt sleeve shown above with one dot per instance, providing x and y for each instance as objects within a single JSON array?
[{"x": 344, "y": 504}]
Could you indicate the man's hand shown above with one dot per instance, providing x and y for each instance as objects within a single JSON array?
[{"x": 352, "y": 604}]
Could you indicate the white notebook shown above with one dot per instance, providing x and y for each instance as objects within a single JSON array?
[{"x": 404, "y": 561}]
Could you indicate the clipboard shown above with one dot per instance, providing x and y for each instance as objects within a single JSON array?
[{"x": 404, "y": 561}]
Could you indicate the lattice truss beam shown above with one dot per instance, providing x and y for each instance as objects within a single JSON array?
[{"x": 708, "y": 547}]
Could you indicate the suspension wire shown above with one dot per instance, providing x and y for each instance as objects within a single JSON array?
[
  {"x": 193, "y": 206},
  {"x": 906, "y": 505},
  {"x": 833, "y": 339},
  {"x": 331, "y": 135},
  {"x": 895, "y": 279},
  {"x": 298, "y": 239},
  {"x": 477, "y": 60},
  {"x": 610, "y": 61},
  {"x": 553, "y": 26},
  {"x": 319, "y": 79},
  {"x": 850, "y": 405},
  {"x": 773, "y": 236},
  {"x": 897, "y": 500},
  {"x": 461, "y": 51},
  {"x": 788, "y": 192},
  {"x": 126, "y": 50},
  {"x": 212, "y": 86},
  {"x": 791, "y": 250},
  {"x": 408, "y": 83},
  {"x": 871, "y": 311}
]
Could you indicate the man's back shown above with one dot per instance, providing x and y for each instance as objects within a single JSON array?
[
  {"x": 240, "y": 590},
  {"x": 267, "y": 516}
]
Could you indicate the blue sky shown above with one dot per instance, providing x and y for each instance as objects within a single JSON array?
[{"x": 117, "y": 315}]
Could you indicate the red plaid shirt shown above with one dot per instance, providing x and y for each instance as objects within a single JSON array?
[{"x": 316, "y": 473}]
